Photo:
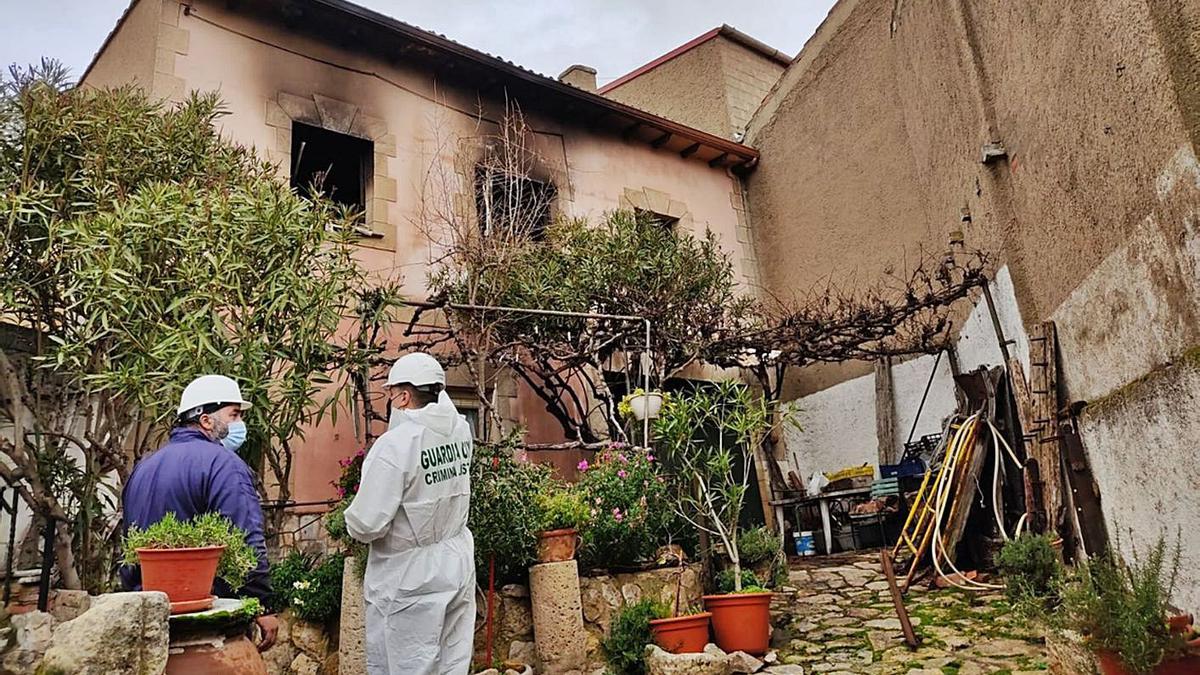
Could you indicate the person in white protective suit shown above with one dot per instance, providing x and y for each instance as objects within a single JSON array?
[{"x": 412, "y": 507}]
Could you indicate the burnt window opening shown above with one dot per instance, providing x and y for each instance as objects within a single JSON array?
[
  {"x": 664, "y": 221},
  {"x": 512, "y": 203},
  {"x": 335, "y": 165}
]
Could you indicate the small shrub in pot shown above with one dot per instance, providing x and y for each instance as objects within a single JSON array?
[
  {"x": 563, "y": 511},
  {"x": 182, "y": 558}
]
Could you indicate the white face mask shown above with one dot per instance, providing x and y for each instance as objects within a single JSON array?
[{"x": 393, "y": 417}]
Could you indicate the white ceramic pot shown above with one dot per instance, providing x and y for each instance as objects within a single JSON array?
[{"x": 646, "y": 405}]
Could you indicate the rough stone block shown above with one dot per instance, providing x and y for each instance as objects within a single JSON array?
[
  {"x": 335, "y": 115},
  {"x": 34, "y": 635},
  {"x": 121, "y": 633},
  {"x": 352, "y": 639},
  {"x": 68, "y": 605},
  {"x": 741, "y": 662},
  {"x": 557, "y": 616},
  {"x": 711, "y": 661}
]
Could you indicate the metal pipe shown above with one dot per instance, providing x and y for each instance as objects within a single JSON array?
[
  {"x": 921, "y": 407},
  {"x": 12, "y": 539},
  {"x": 646, "y": 362},
  {"x": 47, "y": 563},
  {"x": 991, "y": 305}
]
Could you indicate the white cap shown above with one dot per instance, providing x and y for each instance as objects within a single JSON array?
[
  {"x": 418, "y": 370},
  {"x": 208, "y": 389}
]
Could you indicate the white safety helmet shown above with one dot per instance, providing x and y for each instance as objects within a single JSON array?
[
  {"x": 417, "y": 369},
  {"x": 206, "y": 391}
]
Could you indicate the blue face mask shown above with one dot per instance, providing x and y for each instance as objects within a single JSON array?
[{"x": 236, "y": 436}]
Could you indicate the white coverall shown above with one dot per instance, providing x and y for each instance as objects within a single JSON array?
[{"x": 412, "y": 507}]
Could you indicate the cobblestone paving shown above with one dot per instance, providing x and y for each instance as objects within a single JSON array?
[{"x": 836, "y": 616}]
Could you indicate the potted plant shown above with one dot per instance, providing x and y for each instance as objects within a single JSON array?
[
  {"x": 681, "y": 633},
  {"x": 641, "y": 404},
  {"x": 563, "y": 512},
  {"x": 629, "y": 506},
  {"x": 1123, "y": 611},
  {"x": 181, "y": 559},
  {"x": 708, "y": 437}
]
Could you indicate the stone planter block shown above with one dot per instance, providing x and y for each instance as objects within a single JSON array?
[
  {"x": 557, "y": 617},
  {"x": 352, "y": 650}
]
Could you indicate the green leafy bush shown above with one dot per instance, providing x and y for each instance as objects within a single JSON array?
[
  {"x": 335, "y": 521},
  {"x": 725, "y": 581},
  {"x": 630, "y": 510},
  {"x": 759, "y": 545},
  {"x": 625, "y": 646},
  {"x": 1031, "y": 570},
  {"x": 312, "y": 590},
  {"x": 1123, "y": 608},
  {"x": 505, "y": 514},
  {"x": 317, "y": 596},
  {"x": 209, "y": 529},
  {"x": 562, "y": 508},
  {"x": 294, "y": 567}
]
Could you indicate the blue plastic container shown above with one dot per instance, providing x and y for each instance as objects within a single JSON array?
[{"x": 805, "y": 544}]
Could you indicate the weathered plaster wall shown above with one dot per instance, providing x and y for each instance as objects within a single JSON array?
[
  {"x": 1143, "y": 452},
  {"x": 836, "y": 428},
  {"x": 715, "y": 86},
  {"x": 130, "y": 57},
  {"x": 270, "y": 77},
  {"x": 688, "y": 88},
  {"x": 871, "y": 149}
]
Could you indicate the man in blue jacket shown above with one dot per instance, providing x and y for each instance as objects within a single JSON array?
[{"x": 198, "y": 471}]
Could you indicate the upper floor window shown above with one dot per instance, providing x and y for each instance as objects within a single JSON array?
[
  {"x": 667, "y": 222},
  {"x": 512, "y": 203},
  {"x": 336, "y": 165}
]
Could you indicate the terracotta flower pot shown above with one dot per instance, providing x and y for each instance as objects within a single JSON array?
[
  {"x": 184, "y": 574},
  {"x": 557, "y": 545},
  {"x": 741, "y": 621},
  {"x": 234, "y": 655},
  {"x": 681, "y": 634},
  {"x": 1110, "y": 662}
]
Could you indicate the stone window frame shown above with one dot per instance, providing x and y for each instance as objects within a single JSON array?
[
  {"x": 658, "y": 203},
  {"x": 347, "y": 118}
]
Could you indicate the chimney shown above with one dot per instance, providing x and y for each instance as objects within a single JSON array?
[{"x": 579, "y": 76}]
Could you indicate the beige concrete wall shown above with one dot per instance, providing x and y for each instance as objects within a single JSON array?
[
  {"x": 687, "y": 89},
  {"x": 715, "y": 86},
  {"x": 748, "y": 77},
  {"x": 871, "y": 150},
  {"x": 269, "y": 78},
  {"x": 130, "y": 55}
]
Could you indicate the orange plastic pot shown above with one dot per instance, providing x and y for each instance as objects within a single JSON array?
[
  {"x": 681, "y": 634},
  {"x": 557, "y": 545},
  {"x": 741, "y": 621},
  {"x": 1110, "y": 662},
  {"x": 184, "y": 574}
]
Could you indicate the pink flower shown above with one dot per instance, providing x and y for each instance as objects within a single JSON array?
[
  {"x": 621, "y": 473},
  {"x": 649, "y": 457},
  {"x": 599, "y": 501},
  {"x": 618, "y": 515},
  {"x": 593, "y": 513},
  {"x": 582, "y": 466},
  {"x": 623, "y": 458},
  {"x": 660, "y": 479}
]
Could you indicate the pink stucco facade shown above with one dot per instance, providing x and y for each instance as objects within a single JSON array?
[{"x": 270, "y": 76}]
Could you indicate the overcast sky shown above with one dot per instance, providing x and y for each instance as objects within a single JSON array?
[{"x": 612, "y": 36}]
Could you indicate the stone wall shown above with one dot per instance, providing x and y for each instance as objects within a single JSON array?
[
  {"x": 602, "y": 596},
  {"x": 302, "y": 648},
  {"x": 873, "y": 154}
]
